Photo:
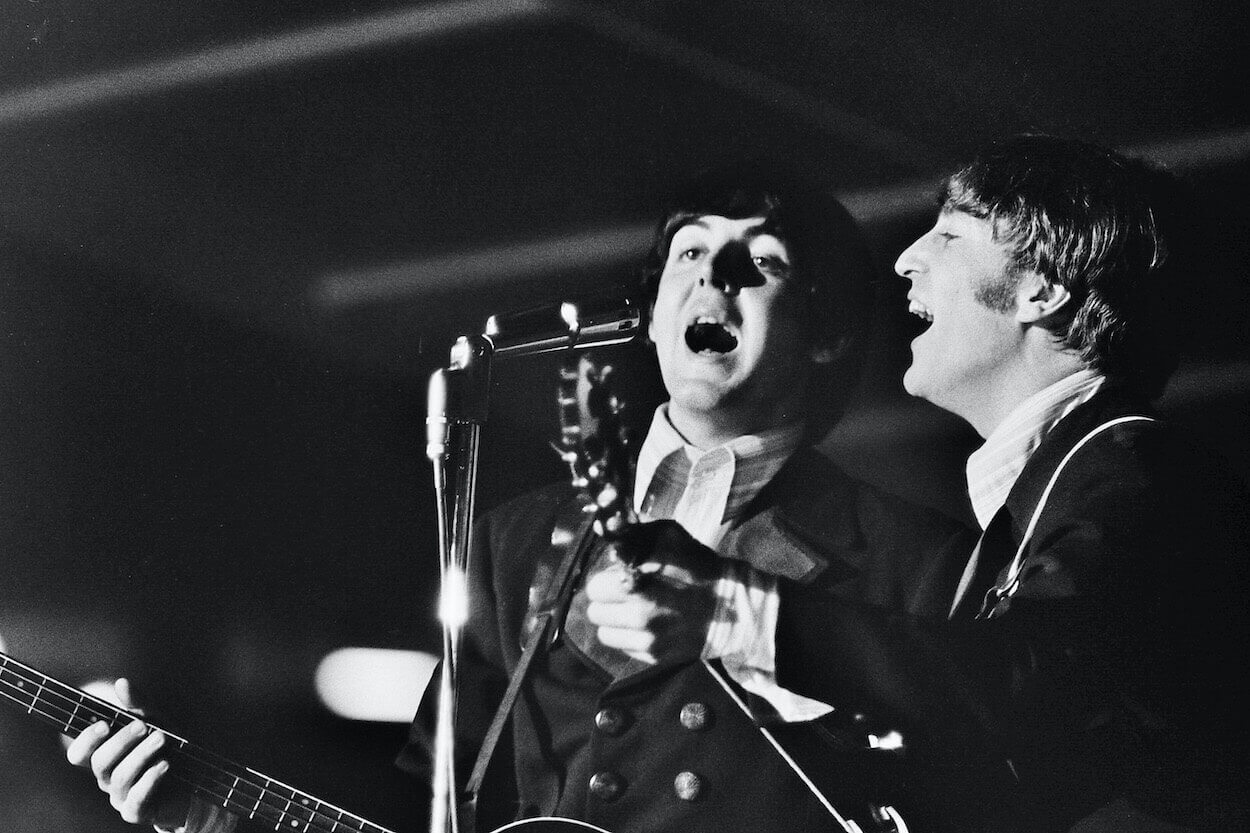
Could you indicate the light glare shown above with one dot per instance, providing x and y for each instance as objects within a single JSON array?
[{"x": 376, "y": 684}]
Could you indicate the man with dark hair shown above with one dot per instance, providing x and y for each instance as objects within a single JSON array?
[
  {"x": 757, "y": 287},
  {"x": 1092, "y": 627}
]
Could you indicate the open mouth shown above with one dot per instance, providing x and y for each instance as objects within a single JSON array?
[
  {"x": 921, "y": 311},
  {"x": 709, "y": 337}
]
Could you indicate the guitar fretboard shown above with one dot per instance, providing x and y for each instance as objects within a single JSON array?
[{"x": 243, "y": 791}]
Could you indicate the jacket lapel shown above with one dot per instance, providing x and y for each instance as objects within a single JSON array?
[{"x": 797, "y": 524}]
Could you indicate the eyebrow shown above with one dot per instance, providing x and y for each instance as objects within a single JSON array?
[{"x": 760, "y": 229}]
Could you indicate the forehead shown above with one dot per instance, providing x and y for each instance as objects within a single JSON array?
[
  {"x": 969, "y": 225},
  {"x": 727, "y": 228}
]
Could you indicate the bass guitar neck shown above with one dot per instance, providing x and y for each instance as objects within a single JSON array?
[{"x": 240, "y": 790}]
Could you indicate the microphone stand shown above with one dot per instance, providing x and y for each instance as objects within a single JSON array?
[{"x": 457, "y": 406}]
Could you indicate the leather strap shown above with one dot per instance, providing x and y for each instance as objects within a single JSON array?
[
  {"x": 1007, "y": 587},
  {"x": 563, "y": 582}
]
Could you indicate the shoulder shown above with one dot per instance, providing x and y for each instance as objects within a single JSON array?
[
  {"x": 1112, "y": 456},
  {"x": 522, "y": 525},
  {"x": 877, "y": 547},
  {"x": 1135, "y": 505},
  {"x": 813, "y": 490},
  {"x": 530, "y": 507}
]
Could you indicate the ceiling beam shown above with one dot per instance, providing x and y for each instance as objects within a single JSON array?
[
  {"x": 435, "y": 20},
  {"x": 595, "y": 249},
  {"x": 413, "y": 25},
  {"x": 833, "y": 121}
]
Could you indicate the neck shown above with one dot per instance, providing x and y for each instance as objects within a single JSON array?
[
  {"x": 1002, "y": 393},
  {"x": 704, "y": 430}
]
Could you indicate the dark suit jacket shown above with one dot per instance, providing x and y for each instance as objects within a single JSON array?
[
  {"x": 573, "y": 721},
  {"x": 1110, "y": 674}
]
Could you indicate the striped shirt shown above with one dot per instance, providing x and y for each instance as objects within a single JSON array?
[
  {"x": 994, "y": 467},
  {"x": 705, "y": 491}
]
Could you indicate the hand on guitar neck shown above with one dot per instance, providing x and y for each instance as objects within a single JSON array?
[
  {"x": 129, "y": 767},
  {"x": 660, "y": 610}
]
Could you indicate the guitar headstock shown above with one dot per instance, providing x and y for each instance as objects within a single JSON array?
[{"x": 596, "y": 444}]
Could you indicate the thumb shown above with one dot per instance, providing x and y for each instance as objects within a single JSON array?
[
  {"x": 682, "y": 557},
  {"x": 125, "y": 697}
]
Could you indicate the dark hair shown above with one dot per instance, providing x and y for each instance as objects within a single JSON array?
[
  {"x": 1105, "y": 227},
  {"x": 828, "y": 255}
]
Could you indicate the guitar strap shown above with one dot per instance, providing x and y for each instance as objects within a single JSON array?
[
  {"x": 1007, "y": 585},
  {"x": 547, "y": 624},
  {"x": 845, "y": 823}
]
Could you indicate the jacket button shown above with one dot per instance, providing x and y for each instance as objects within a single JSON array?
[
  {"x": 695, "y": 716},
  {"x": 611, "y": 720},
  {"x": 688, "y": 786},
  {"x": 606, "y": 786}
]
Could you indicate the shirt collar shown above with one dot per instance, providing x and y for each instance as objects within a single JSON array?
[
  {"x": 994, "y": 467},
  {"x": 666, "y": 460}
]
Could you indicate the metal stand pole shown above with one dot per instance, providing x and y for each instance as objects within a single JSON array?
[{"x": 458, "y": 397}]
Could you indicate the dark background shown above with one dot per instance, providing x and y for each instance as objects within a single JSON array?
[{"x": 236, "y": 238}]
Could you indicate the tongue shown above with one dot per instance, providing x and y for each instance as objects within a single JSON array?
[{"x": 712, "y": 337}]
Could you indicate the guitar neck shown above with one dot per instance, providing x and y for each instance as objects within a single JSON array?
[{"x": 240, "y": 790}]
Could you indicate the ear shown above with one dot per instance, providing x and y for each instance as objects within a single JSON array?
[
  {"x": 1037, "y": 299},
  {"x": 651, "y": 323}
]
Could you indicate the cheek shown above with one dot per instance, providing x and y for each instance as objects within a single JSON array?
[
  {"x": 663, "y": 323},
  {"x": 786, "y": 320}
]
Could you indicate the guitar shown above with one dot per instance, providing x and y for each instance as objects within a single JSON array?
[
  {"x": 595, "y": 455},
  {"x": 598, "y": 448},
  {"x": 251, "y": 795},
  {"x": 238, "y": 789}
]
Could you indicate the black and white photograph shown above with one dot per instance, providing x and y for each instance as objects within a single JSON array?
[{"x": 641, "y": 416}]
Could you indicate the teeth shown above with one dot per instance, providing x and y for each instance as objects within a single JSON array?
[
  {"x": 920, "y": 310},
  {"x": 709, "y": 335}
]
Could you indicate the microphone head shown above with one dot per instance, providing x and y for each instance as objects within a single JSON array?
[{"x": 591, "y": 321}]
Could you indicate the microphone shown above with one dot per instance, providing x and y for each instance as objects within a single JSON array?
[{"x": 593, "y": 321}]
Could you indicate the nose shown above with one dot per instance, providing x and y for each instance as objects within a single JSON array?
[
  {"x": 909, "y": 263},
  {"x": 731, "y": 269}
]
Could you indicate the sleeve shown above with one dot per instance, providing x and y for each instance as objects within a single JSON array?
[
  {"x": 904, "y": 557},
  {"x": 741, "y": 637},
  {"x": 1104, "y": 677}
]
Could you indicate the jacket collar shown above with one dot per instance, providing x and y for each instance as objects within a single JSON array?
[{"x": 807, "y": 512}]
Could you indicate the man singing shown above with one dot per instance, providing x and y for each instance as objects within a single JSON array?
[
  {"x": 1093, "y": 628},
  {"x": 757, "y": 287}
]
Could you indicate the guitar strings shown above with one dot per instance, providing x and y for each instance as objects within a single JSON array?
[
  {"x": 209, "y": 784},
  {"x": 88, "y": 710}
]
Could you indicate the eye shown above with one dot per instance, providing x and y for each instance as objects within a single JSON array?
[
  {"x": 692, "y": 253},
  {"x": 771, "y": 265},
  {"x": 947, "y": 236}
]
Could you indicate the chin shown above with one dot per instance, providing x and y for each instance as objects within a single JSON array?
[
  {"x": 699, "y": 396},
  {"x": 911, "y": 382}
]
